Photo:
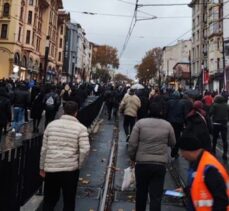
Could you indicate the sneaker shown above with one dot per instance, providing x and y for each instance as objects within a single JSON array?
[{"x": 18, "y": 134}]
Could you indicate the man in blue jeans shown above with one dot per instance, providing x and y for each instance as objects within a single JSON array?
[{"x": 20, "y": 102}]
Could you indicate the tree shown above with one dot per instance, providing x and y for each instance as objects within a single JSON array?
[
  {"x": 150, "y": 65},
  {"x": 102, "y": 74},
  {"x": 121, "y": 77},
  {"x": 105, "y": 55}
]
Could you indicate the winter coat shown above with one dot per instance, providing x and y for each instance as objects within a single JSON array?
[
  {"x": 130, "y": 105},
  {"x": 5, "y": 107},
  {"x": 197, "y": 125},
  {"x": 175, "y": 110},
  {"x": 219, "y": 110},
  {"x": 149, "y": 141},
  {"x": 21, "y": 98},
  {"x": 65, "y": 145},
  {"x": 37, "y": 106}
]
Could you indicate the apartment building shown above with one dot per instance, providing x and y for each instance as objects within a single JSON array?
[
  {"x": 63, "y": 20},
  {"x": 78, "y": 54},
  {"x": 199, "y": 53},
  {"x": 226, "y": 41},
  {"x": 173, "y": 55},
  {"x": 25, "y": 25},
  {"x": 207, "y": 43}
]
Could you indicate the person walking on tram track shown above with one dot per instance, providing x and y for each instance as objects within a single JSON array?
[
  {"x": 129, "y": 105},
  {"x": 64, "y": 150},
  {"x": 220, "y": 116},
  {"x": 208, "y": 180},
  {"x": 148, "y": 147}
]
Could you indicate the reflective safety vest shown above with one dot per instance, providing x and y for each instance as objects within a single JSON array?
[{"x": 201, "y": 197}]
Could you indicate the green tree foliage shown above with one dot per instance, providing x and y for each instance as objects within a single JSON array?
[{"x": 105, "y": 55}]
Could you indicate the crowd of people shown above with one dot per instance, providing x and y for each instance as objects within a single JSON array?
[
  {"x": 185, "y": 122},
  {"x": 153, "y": 120},
  {"x": 19, "y": 97}
]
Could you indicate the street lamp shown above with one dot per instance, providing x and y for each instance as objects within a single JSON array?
[
  {"x": 73, "y": 68},
  {"x": 47, "y": 45}
]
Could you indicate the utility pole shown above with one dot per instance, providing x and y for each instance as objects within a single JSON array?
[
  {"x": 73, "y": 68},
  {"x": 190, "y": 70},
  {"x": 46, "y": 58}
]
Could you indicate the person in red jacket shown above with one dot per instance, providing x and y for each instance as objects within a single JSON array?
[{"x": 208, "y": 181}]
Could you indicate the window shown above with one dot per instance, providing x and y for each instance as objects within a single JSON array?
[
  {"x": 4, "y": 31},
  {"x": 19, "y": 35},
  {"x": 30, "y": 17},
  {"x": 21, "y": 14},
  {"x": 33, "y": 39},
  {"x": 30, "y": 2},
  {"x": 28, "y": 37},
  {"x": 59, "y": 57},
  {"x": 6, "y": 9},
  {"x": 60, "y": 44},
  {"x": 38, "y": 45},
  {"x": 61, "y": 30}
]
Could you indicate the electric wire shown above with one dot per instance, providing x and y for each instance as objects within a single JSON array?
[{"x": 130, "y": 31}]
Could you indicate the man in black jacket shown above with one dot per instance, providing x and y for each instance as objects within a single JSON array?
[
  {"x": 21, "y": 101},
  {"x": 5, "y": 108}
]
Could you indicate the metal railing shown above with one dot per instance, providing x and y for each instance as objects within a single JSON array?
[{"x": 19, "y": 166}]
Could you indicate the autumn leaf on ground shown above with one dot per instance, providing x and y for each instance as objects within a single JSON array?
[
  {"x": 80, "y": 179},
  {"x": 85, "y": 182}
]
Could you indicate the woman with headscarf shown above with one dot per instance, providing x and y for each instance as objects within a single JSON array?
[{"x": 197, "y": 123}]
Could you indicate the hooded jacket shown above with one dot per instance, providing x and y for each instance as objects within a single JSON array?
[{"x": 219, "y": 110}]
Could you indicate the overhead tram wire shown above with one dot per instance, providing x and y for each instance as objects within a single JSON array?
[
  {"x": 128, "y": 16},
  {"x": 225, "y": 17},
  {"x": 131, "y": 28}
]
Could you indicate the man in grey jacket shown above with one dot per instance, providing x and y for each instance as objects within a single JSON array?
[
  {"x": 65, "y": 147},
  {"x": 148, "y": 147}
]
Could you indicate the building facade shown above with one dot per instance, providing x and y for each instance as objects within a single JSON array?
[
  {"x": 78, "y": 54},
  {"x": 226, "y": 41},
  {"x": 207, "y": 44},
  {"x": 174, "y": 54},
  {"x": 25, "y": 26}
]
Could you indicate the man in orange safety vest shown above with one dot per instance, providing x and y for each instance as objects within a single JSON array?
[{"x": 208, "y": 181}]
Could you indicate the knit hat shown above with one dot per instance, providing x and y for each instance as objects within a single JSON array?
[{"x": 189, "y": 142}]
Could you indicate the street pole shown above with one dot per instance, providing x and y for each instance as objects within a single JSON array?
[
  {"x": 190, "y": 70},
  {"x": 46, "y": 58},
  {"x": 73, "y": 68}
]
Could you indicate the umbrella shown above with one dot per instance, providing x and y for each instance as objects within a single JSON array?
[{"x": 137, "y": 86}]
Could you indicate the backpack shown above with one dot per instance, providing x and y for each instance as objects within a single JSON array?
[{"x": 50, "y": 103}]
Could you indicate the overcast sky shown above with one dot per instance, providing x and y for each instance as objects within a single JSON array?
[{"x": 146, "y": 35}]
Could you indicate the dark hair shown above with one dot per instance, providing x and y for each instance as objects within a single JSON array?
[
  {"x": 155, "y": 110},
  {"x": 70, "y": 108}
]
